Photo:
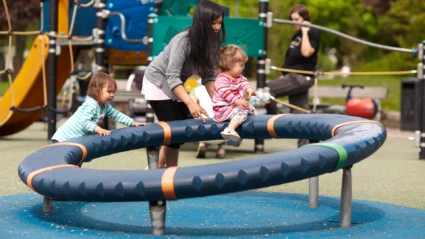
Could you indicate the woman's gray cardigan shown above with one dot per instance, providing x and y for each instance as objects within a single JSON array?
[{"x": 172, "y": 66}]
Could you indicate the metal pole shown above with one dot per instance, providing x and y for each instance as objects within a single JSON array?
[
  {"x": 99, "y": 36},
  {"x": 313, "y": 186},
  {"x": 313, "y": 192},
  {"x": 51, "y": 88},
  {"x": 261, "y": 63},
  {"x": 52, "y": 63},
  {"x": 150, "y": 114},
  {"x": 157, "y": 6},
  {"x": 422, "y": 98},
  {"x": 47, "y": 205},
  {"x": 157, "y": 209},
  {"x": 346, "y": 198},
  {"x": 371, "y": 44},
  {"x": 99, "y": 45},
  {"x": 418, "y": 107}
]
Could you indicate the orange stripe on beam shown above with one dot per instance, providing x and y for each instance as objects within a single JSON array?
[
  {"x": 270, "y": 125},
  {"x": 353, "y": 122},
  {"x": 167, "y": 132},
  {"x": 167, "y": 183},
  {"x": 42, "y": 170},
  {"x": 82, "y": 147}
]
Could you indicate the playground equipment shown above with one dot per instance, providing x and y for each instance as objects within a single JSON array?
[
  {"x": 121, "y": 32},
  {"x": 54, "y": 171},
  {"x": 28, "y": 90},
  {"x": 365, "y": 108}
]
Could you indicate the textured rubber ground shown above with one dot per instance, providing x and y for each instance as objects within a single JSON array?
[{"x": 237, "y": 215}]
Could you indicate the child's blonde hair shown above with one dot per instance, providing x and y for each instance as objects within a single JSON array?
[
  {"x": 97, "y": 82},
  {"x": 230, "y": 55}
]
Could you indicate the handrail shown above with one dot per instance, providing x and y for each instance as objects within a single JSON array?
[
  {"x": 391, "y": 48},
  {"x": 144, "y": 40}
]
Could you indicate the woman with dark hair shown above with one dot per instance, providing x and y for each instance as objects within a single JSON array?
[
  {"x": 300, "y": 55},
  {"x": 192, "y": 51}
]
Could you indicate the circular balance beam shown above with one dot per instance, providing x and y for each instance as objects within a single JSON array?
[{"x": 54, "y": 171}]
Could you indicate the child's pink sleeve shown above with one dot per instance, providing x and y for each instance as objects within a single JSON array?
[{"x": 222, "y": 88}]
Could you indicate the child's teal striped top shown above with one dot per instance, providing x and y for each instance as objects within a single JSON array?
[{"x": 86, "y": 118}]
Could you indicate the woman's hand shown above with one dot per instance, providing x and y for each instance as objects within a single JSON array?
[
  {"x": 305, "y": 29},
  {"x": 196, "y": 111},
  {"x": 102, "y": 131},
  {"x": 306, "y": 49}
]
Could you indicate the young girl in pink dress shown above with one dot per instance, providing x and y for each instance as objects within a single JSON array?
[{"x": 230, "y": 88}]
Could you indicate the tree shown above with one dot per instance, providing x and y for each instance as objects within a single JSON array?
[
  {"x": 348, "y": 16},
  {"x": 403, "y": 23},
  {"x": 379, "y": 7},
  {"x": 23, "y": 16}
]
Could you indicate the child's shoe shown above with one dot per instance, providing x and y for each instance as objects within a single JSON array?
[
  {"x": 221, "y": 151},
  {"x": 202, "y": 150},
  {"x": 230, "y": 134}
]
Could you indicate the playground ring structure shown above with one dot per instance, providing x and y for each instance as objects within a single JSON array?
[{"x": 55, "y": 170}]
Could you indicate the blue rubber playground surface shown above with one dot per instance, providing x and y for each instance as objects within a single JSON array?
[{"x": 244, "y": 215}]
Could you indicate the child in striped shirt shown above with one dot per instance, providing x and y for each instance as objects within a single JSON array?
[
  {"x": 90, "y": 115},
  {"x": 230, "y": 88}
]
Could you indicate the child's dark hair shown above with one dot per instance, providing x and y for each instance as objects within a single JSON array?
[
  {"x": 203, "y": 41},
  {"x": 230, "y": 55},
  {"x": 97, "y": 82}
]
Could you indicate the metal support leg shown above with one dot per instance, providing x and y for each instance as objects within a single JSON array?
[
  {"x": 47, "y": 205},
  {"x": 150, "y": 114},
  {"x": 157, "y": 209},
  {"x": 153, "y": 156},
  {"x": 313, "y": 183},
  {"x": 346, "y": 198},
  {"x": 313, "y": 192}
]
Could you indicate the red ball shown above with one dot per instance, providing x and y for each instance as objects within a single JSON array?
[{"x": 364, "y": 108}]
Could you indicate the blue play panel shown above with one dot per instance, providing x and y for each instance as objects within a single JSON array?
[{"x": 246, "y": 215}]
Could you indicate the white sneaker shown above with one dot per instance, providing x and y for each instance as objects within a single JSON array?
[{"x": 230, "y": 134}]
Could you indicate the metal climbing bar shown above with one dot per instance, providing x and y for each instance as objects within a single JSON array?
[
  {"x": 358, "y": 73},
  {"x": 384, "y": 47}
]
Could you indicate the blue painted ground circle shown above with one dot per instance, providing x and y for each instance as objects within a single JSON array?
[{"x": 246, "y": 214}]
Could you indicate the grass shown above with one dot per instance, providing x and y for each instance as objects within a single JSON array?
[{"x": 393, "y": 83}]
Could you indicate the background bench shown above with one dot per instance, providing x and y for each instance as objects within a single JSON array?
[{"x": 377, "y": 92}]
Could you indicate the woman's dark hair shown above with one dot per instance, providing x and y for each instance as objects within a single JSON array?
[
  {"x": 301, "y": 10},
  {"x": 203, "y": 41}
]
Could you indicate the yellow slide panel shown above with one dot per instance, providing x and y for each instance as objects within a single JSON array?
[{"x": 28, "y": 87}]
